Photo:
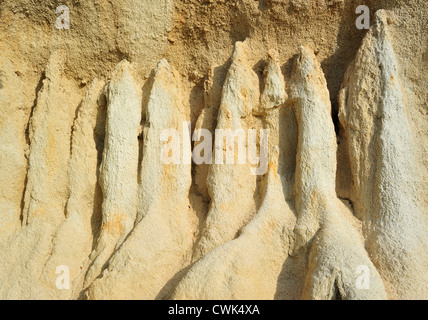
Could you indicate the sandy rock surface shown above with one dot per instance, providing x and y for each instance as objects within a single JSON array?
[{"x": 90, "y": 208}]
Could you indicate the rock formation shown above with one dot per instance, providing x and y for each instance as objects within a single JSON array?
[
  {"x": 213, "y": 150},
  {"x": 119, "y": 167},
  {"x": 159, "y": 245},
  {"x": 383, "y": 165},
  {"x": 13, "y": 148},
  {"x": 230, "y": 186},
  {"x": 336, "y": 251}
]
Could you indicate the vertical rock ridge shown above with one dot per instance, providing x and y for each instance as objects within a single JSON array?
[
  {"x": 227, "y": 272},
  {"x": 119, "y": 168},
  {"x": 47, "y": 188},
  {"x": 316, "y": 150},
  {"x": 230, "y": 186},
  {"x": 49, "y": 151},
  {"x": 208, "y": 121},
  {"x": 13, "y": 163},
  {"x": 159, "y": 246},
  {"x": 163, "y": 113},
  {"x": 279, "y": 121},
  {"x": 274, "y": 92},
  {"x": 323, "y": 225},
  {"x": 73, "y": 240},
  {"x": 383, "y": 164}
]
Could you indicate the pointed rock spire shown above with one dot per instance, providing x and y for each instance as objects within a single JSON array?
[
  {"x": 119, "y": 168},
  {"x": 316, "y": 151},
  {"x": 274, "y": 93},
  {"x": 384, "y": 170},
  {"x": 13, "y": 163},
  {"x": 160, "y": 245},
  {"x": 336, "y": 251},
  {"x": 230, "y": 186},
  {"x": 160, "y": 180},
  {"x": 263, "y": 242},
  {"x": 47, "y": 186},
  {"x": 85, "y": 195}
]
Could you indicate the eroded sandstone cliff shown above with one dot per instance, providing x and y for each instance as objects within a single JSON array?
[{"x": 339, "y": 213}]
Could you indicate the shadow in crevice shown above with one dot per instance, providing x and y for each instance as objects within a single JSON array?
[
  {"x": 265, "y": 5},
  {"x": 1, "y": 81},
  {"x": 348, "y": 40},
  {"x": 99, "y": 138},
  {"x": 259, "y": 69},
  {"x": 28, "y": 140},
  {"x": 291, "y": 278},
  {"x": 337, "y": 292},
  {"x": 287, "y": 138},
  {"x": 146, "y": 91},
  {"x": 167, "y": 290},
  {"x": 212, "y": 100}
]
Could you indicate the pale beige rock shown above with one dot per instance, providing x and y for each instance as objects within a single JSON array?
[
  {"x": 338, "y": 266},
  {"x": 249, "y": 266},
  {"x": 49, "y": 151},
  {"x": 316, "y": 150},
  {"x": 357, "y": 187},
  {"x": 230, "y": 186},
  {"x": 158, "y": 180},
  {"x": 74, "y": 238},
  {"x": 384, "y": 167},
  {"x": 228, "y": 271},
  {"x": 119, "y": 168},
  {"x": 336, "y": 252},
  {"x": 160, "y": 245},
  {"x": 207, "y": 121},
  {"x": 13, "y": 163},
  {"x": 279, "y": 121},
  {"x": 274, "y": 92},
  {"x": 47, "y": 188}
]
